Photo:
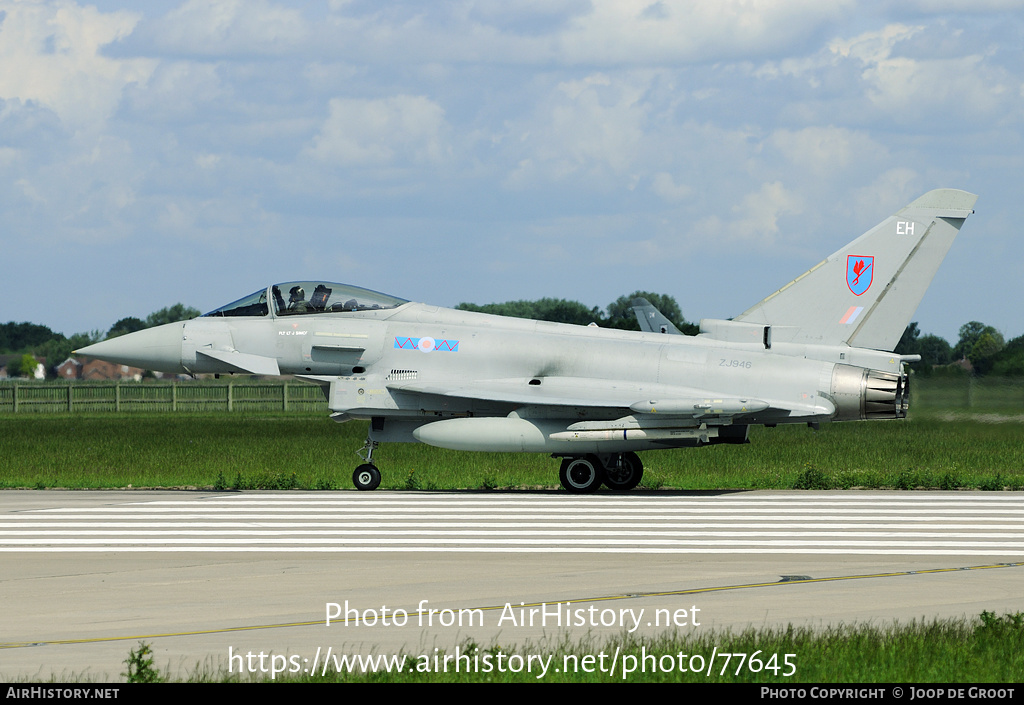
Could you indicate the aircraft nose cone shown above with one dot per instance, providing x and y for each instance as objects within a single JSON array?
[{"x": 156, "y": 348}]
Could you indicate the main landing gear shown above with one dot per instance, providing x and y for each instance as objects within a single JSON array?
[{"x": 618, "y": 472}]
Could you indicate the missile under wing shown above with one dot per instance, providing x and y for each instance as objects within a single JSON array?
[{"x": 818, "y": 349}]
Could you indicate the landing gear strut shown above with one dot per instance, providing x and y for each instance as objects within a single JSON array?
[
  {"x": 619, "y": 472},
  {"x": 366, "y": 476}
]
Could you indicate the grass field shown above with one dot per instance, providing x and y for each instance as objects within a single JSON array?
[
  {"x": 963, "y": 432},
  {"x": 307, "y": 450},
  {"x": 988, "y": 649},
  {"x": 958, "y": 439}
]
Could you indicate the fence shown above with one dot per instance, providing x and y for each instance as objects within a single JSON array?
[
  {"x": 989, "y": 394},
  {"x": 86, "y": 397}
]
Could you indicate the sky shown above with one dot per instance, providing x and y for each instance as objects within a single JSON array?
[{"x": 490, "y": 150}]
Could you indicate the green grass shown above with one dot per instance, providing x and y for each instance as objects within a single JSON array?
[
  {"x": 308, "y": 451},
  {"x": 989, "y": 649}
]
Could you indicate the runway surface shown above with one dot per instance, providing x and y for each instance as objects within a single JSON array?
[
  {"x": 903, "y": 523},
  {"x": 205, "y": 577}
]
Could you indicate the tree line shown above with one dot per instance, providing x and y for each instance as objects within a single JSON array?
[
  {"x": 38, "y": 341},
  {"x": 618, "y": 314},
  {"x": 982, "y": 345}
]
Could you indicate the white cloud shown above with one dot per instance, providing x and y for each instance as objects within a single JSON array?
[
  {"x": 757, "y": 217},
  {"x": 179, "y": 90},
  {"x": 220, "y": 221},
  {"x": 527, "y": 17},
  {"x": 971, "y": 6},
  {"x": 217, "y": 27},
  {"x": 651, "y": 130},
  {"x": 591, "y": 128},
  {"x": 874, "y": 46},
  {"x": 207, "y": 161},
  {"x": 382, "y": 132},
  {"x": 890, "y": 191},
  {"x": 89, "y": 193},
  {"x": 826, "y": 151},
  {"x": 574, "y": 32},
  {"x": 642, "y": 31},
  {"x": 51, "y": 54},
  {"x": 665, "y": 187},
  {"x": 910, "y": 89}
]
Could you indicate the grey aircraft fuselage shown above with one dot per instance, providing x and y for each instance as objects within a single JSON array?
[
  {"x": 412, "y": 361},
  {"x": 817, "y": 350}
]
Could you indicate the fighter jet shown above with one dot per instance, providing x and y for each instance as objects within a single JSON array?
[{"x": 818, "y": 349}]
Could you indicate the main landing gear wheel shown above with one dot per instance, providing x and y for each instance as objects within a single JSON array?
[
  {"x": 366, "y": 477},
  {"x": 626, "y": 475},
  {"x": 581, "y": 475}
]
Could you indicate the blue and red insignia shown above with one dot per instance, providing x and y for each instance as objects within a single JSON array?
[
  {"x": 860, "y": 272},
  {"x": 427, "y": 344}
]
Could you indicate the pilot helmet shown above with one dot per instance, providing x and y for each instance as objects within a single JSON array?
[{"x": 297, "y": 293}]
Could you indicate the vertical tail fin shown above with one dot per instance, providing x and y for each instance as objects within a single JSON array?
[
  {"x": 865, "y": 294},
  {"x": 651, "y": 319}
]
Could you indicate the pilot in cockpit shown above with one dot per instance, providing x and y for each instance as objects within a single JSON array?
[{"x": 297, "y": 300}]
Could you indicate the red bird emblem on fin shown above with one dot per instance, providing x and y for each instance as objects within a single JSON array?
[{"x": 860, "y": 272}]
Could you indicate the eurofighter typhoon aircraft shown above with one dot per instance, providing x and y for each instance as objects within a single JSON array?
[{"x": 818, "y": 349}]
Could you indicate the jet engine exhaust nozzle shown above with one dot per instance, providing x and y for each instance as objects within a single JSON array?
[{"x": 861, "y": 393}]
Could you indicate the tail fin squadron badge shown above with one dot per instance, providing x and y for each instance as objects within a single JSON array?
[{"x": 860, "y": 272}]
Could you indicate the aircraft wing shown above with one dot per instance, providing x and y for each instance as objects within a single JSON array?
[{"x": 661, "y": 399}]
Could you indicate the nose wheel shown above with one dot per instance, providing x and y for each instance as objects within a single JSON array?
[{"x": 366, "y": 477}]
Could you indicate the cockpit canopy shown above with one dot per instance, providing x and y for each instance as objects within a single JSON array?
[{"x": 309, "y": 297}]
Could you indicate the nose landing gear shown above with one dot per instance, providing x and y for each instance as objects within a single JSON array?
[{"x": 367, "y": 476}]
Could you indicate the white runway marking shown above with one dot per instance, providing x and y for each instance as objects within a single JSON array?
[{"x": 877, "y": 524}]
